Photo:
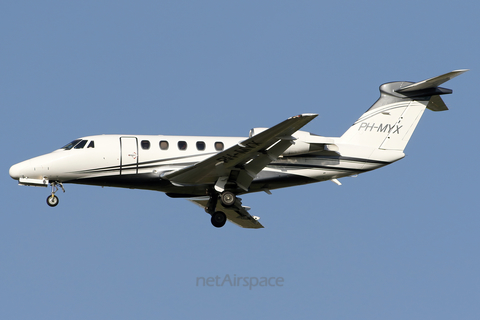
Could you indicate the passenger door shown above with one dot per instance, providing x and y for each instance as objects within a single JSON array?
[{"x": 128, "y": 155}]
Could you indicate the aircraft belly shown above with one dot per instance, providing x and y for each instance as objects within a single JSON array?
[
  {"x": 319, "y": 168},
  {"x": 282, "y": 173},
  {"x": 279, "y": 181},
  {"x": 132, "y": 181}
]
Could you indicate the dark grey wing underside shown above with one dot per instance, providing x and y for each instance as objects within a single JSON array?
[{"x": 237, "y": 214}]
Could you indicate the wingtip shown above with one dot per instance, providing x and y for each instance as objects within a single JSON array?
[
  {"x": 458, "y": 72},
  {"x": 305, "y": 115}
]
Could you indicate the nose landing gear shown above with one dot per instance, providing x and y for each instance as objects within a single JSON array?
[{"x": 52, "y": 200}]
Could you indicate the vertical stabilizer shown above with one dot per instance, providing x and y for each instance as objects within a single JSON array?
[{"x": 390, "y": 122}]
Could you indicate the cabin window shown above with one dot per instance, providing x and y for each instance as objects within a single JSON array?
[
  {"x": 163, "y": 145},
  {"x": 145, "y": 144},
  {"x": 71, "y": 144},
  {"x": 91, "y": 144},
  {"x": 81, "y": 144},
  {"x": 182, "y": 145},
  {"x": 219, "y": 146},
  {"x": 200, "y": 145}
]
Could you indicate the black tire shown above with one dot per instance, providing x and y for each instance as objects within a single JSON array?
[
  {"x": 52, "y": 200},
  {"x": 228, "y": 198},
  {"x": 219, "y": 219}
]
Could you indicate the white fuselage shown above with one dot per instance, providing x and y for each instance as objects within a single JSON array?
[{"x": 133, "y": 161}]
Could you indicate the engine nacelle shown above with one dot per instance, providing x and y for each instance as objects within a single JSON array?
[{"x": 305, "y": 142}]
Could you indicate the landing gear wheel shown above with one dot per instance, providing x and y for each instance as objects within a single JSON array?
[
  {"x": 218, "y": 219},
  {"x": 228, "y": 198},
  {"x": 52, "y": 200}
]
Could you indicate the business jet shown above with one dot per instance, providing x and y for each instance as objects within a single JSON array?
[{"x": 213, "y": 171}]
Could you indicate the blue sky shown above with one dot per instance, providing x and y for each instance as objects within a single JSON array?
[{"x": 398, "y": 243}]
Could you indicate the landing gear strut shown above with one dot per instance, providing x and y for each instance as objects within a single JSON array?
[
  {"x": 227, "y": 199},
  {"x": 52, "y": 200}
]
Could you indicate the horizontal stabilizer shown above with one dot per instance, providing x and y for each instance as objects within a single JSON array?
[{"x": 432, "y": 82}]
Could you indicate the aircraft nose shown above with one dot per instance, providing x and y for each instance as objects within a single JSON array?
[
  {"x": 35, "y": 168},
  {"x": 21, "y": 169},
  {"x": 15, "y": 171}
]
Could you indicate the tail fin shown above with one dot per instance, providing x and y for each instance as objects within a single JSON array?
[{"x": 390, "y": 122}]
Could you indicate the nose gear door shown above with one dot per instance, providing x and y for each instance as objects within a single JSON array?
[{"x": 128, "y": 155}]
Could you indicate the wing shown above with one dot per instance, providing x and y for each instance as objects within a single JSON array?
[
  {"x": 241, "y": 163},
  {"x": 237, "y": 214}
]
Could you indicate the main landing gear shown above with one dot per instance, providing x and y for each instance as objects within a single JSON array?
[
  {"x": 218, "y": 219},
  {"x": 227, "y": 199},
  {"x": 52, "y": 200}
]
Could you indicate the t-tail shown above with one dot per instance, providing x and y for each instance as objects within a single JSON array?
[{"x": 385, "y": 129}]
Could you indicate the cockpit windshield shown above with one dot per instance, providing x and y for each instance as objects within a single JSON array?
[
  {"x": 79, "y": 144},
  {"x": 71, "y": 144}
]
